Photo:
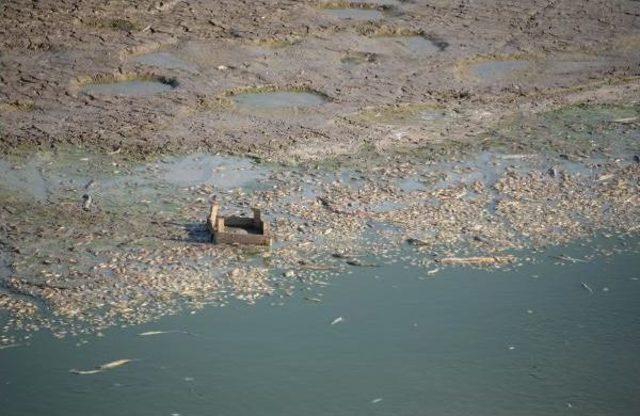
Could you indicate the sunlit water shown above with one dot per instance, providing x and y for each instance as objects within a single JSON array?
[
  {"x": 531, "y": 341},
  {"x": 278, "y": 100}
]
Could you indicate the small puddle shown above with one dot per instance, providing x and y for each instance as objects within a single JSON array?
[
  {"x": 223, "y": 172},
  {"x": 355, "y": 14},
  {"x": 29, "y": 178},
  {"x": 497, "y": 70},
  {"x": 132, "y": 88},
  {"x": 163, "y": 60},
  {"x": 278, "y": 99}
]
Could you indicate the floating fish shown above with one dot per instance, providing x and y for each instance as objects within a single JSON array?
[
  {"x": 173, "y": 331},
  {"x": 85, "y": 372},
  {"x": 337, "y": 320},
  {"x": 586, "y": 286},
  {"x": 376, "y": 400},
  {"x": 150, "y": 333},
  {"x": 103, "y": 367},
  {"x": 567, "y": 258},
  {"x": 115, "y": 364}
]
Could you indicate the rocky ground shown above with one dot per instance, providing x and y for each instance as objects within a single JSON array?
[{"x": 445, "y": 129}]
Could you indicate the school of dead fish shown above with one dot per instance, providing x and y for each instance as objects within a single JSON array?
[{"x": 103, "y": 267}]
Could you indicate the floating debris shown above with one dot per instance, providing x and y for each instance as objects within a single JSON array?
[
  {"x": 108, "y": 366},
  {"x": 152, "y": 333},
  {"x": 478, "y": 261},
  {"x": 567, "y": 258},
  {"x": 337, "y": 320},
  {"x": 4, "y": 347},
  {"x": 586, "y": 286}
]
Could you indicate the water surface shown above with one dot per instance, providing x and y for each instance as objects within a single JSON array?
[
  {"x": 129, "y": 88},
  {"x": 278, "y": 99},
  {"x": 498, "y": 70},
  {"x": 531, "y": 341}
]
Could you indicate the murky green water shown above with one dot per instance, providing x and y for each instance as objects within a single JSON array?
[{"x": 531, "y": 341}]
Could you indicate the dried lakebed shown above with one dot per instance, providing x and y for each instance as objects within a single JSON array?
[{"x": 93, "y": 240}]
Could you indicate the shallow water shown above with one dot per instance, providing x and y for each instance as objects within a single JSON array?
[
  {"x": 278, "y": 99},
  {"x": 355, "y": 14},
  {"x": 221, "y": 171},
  {"x": 531, "y": 341},
  {"x": 498, "y": 70},
  {"x": 128, "y": 88}
]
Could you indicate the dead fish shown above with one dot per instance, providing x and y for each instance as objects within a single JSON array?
[
  {"x": 173, "y": 331},
  {"x": 115, "y": 364},
  {"x": 107, "y": 366},
  {"x": 150, "y": 333},
  {"x": 625, "y": 120},
  {"x": 84, "y": 372},
  {"x": 417, "y": 242},
  {"x": 358, "y": 263},
  {"x": 567, "y": 258},
  {"x": 4, "y": 347},
  {"x": 432, "y": 272},
  {"x": 376, "y": 400},
  {"x": 586, "y": 286},
  {"x": 337, "y": 320},
  {"x": 316, "y": 300}
]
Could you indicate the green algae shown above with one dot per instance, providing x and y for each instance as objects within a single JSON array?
[{"x": 582, "y": 130}]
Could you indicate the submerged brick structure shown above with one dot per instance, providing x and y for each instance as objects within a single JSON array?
[{"x": 238, "y": 230}]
